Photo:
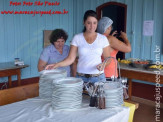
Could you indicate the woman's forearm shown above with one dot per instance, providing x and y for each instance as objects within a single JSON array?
[
  {"x": 41, "y": 65},
  {"x": 66, "y": 62},
  {"x": 71, "y": 57},
  {"x": 127, "y": 42}
]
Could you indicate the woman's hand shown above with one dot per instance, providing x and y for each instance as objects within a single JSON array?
[
  {"x": 51, "y": 66},
  {"x": 114, "y": 33},
  {"x": 100, "y": 67},
  {"x": 123, "y": 35}
]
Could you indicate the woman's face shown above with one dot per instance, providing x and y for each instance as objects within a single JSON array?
[
  {"x": 59, "y": 44},
  {"x": 91, "y": 24},
  {"x": 108, "y": 30}
]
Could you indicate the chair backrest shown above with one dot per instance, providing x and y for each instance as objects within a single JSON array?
[{"x": 11, "y": 95}]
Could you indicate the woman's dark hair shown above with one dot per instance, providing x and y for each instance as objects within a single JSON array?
[
  {"x": 89, "y": 13},
  {"x": 58, "y": 34}
]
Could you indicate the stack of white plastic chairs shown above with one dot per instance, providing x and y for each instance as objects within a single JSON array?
[
  {"x": 67, "y": 93},
  {"x": 46, "y": 79}
]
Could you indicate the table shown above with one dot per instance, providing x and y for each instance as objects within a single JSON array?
[
  {"x": 40, "y": 110},
  {"x": 8, "y": 69},
  {"x": 139, "y": 74}
]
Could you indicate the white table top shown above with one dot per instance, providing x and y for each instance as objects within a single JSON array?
[{"x": 39, "y": 110}]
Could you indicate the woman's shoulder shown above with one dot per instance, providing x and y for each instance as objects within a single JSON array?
[
  {"x": 78, "y": 35},
  {"x": 112, "y": 39},
  {"x": 49, "y": 47},
  {"x": 101, "y": 36},
  {"x": 66, "y": 47},
  {"x": 77, "y": 39}
]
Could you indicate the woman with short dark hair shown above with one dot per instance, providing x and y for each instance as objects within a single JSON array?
[
  {"x": 57, "y": 34},
  {"x": 55, "y": 52}
]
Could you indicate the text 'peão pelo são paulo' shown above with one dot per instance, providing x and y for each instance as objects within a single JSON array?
[{"x": 36, "y": 3}]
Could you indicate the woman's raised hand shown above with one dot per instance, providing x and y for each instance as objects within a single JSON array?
[
  {"x": 114, "y": 33},
  {"x": 123, "y": 35}
]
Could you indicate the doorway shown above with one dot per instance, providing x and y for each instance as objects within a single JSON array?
[{"x": 118, "y": 13}]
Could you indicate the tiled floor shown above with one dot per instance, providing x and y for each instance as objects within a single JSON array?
[{"x": 146, "y": 113}]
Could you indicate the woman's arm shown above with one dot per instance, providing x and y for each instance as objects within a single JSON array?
[
  {"x": 106, "y": 54},
  {"x": 41, "y": 65},
  {"x": 119, "y": 45},
  {"x": 67, "y": 61},
  {"x": 74, "y": 68}
]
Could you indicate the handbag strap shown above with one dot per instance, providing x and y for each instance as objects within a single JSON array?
[{"x": 115, "y": 60}]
